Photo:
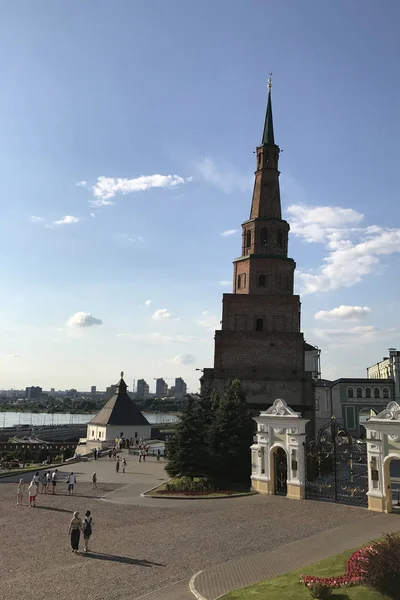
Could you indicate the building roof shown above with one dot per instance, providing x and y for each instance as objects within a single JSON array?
[
  {"x": 363, "y": 380},
  {"x": 120, "y": 410},
  {"x": 268, "y": 133},
  {"x": 309, "y": 347}
]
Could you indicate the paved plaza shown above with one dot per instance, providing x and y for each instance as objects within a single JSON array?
[{"x": 142, "y": 547}]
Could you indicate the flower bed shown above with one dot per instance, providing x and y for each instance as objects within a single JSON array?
[{"x": 353, "y": 575}]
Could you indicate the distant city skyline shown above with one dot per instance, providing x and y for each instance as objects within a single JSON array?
[{"x": 127, "y": 163}]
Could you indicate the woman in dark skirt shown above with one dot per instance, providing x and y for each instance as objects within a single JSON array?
[{"x": 74, "y": 531}]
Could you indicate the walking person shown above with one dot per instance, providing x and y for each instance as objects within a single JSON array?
[
  {"x": 48, "y": 481},
  {"x": 36, "y": 480},
  {"x": 54, "y": 479},
  {"x": 74, "y": 531},
  {"x": 32, "y": 492},
  {"x": 117, "y": 465},
  {"x": 71, "y": 480},
  {"x": 140, "y": 453},
  {"x": 20, "y": 488},
  {"x": 94, "y": 481},
  {"x": 95, "y": 454},
  {"x": 110, "y": 454},
  {"x": 123, "y": 464},
  {"x": 43, "y": 482},
  {"x": 158, "y": 454},
  {"x": 87, "y": 529}
]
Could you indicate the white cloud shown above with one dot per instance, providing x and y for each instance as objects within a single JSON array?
[
  {"x": 225, "y": 282},
  {"x": 224, "y": 176},
  {"x": 148, "y": 302},
  {"x": 344, "y": 313},
  {"x": 161, "y": 338},
  {"x": 183, "y": 359},
  {"x": 209, "y": 321},
  {"x": 355, "y": 336},
  {"x": 163, "y": 314},
  {"x": 139, "y": 239},
  {"x": 67, "y": 220},
  {"x": 353, "y": 251},
  {"x": 229, "y": 232},
  {"x": 107, "y": 187},
  {"x": 82, "y": 184},
  {"x": 16, "y": 356},
  {"x": 37, "y": 219},
  {"x": 93, "y": 215},
  {"x": 83, "y": 319}
]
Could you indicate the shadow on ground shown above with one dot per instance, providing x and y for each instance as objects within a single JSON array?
[{"x": 122, "y": 559}]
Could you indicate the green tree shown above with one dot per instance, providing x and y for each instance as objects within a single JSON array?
[
  {"x": 231, "y": 436},
  {"x": 184, "y": 447}
]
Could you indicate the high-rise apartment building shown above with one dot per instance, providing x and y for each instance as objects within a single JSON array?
[
  {"x": 161, "y": 388},
  {"x": 180, "y": 388},
  {"x": 143, "y": 390},
  {"x": 33, "y": 392},
  {"x": 93, "y": 390}
]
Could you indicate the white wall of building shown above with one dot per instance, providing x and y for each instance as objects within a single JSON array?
[{"x": 110, "y": 432}]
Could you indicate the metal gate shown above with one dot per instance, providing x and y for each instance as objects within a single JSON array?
[
  {"x": 336, "y": 466},
  {"x": 280, "y": 459}
]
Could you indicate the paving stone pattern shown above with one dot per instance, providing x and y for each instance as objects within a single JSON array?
[{"x": 142, "y": 546}]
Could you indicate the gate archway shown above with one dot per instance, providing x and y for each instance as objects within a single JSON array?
[
  {"x": 279, "y": 466},
  {"x": 279, "y": 429}
]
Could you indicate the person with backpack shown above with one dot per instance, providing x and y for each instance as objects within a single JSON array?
[{"x": 87, "y": 527}]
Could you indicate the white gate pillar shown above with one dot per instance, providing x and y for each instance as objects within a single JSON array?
[
  {"x": 279, "y": 427},
  {"x": 383, "y": 444}
]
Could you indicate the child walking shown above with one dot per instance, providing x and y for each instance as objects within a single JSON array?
[{"x": 32, "y": 491}]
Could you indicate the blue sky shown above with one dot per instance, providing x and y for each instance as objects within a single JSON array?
[{"x": 128, "y": 129}]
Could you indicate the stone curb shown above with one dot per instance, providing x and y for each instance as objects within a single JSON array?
[
  {"x": 227, "y": 497},
  {"x": 192, "y": 588}
]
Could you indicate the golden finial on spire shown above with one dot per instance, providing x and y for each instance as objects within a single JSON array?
[{"x": 270, "y": 82}]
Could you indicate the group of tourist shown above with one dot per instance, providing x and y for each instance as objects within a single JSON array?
[{"x": 44, "y": 483}]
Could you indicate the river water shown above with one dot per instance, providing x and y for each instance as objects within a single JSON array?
[{"x": 9, "y": 419}]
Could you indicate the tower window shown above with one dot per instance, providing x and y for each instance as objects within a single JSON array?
[
  {"x": 241, "y": 281},
  {"x": 259, "y": 324},
  {"x": 359, "y": 393},
  {"x": 385, "y": 393},
  {"x": 248, "y": 238},
  {"x": 262, "y": 280},
  {"x": 263, "y": 238},
  {"x": 368, "y": 392},
  {"x": 377, "y": 393},
  {"x": 280, "y": 239},
  {"x": 350, "y": 392}
]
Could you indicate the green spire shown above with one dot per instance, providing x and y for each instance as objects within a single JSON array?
[{"x": 268, "y": 134}]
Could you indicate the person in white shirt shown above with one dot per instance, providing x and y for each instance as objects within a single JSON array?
[
  {"x": 32, "y": 491},
  {"x": 71, "y": 480},
  {"x": 54, "y": 478}
]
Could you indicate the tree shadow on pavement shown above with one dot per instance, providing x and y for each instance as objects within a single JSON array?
[{"x": 122, "y": 559}]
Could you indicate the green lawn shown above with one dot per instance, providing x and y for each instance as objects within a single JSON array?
[{"x": 288, "y": 587}]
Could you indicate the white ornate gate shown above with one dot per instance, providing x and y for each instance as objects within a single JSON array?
[{"x": 278, "y": 461}]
